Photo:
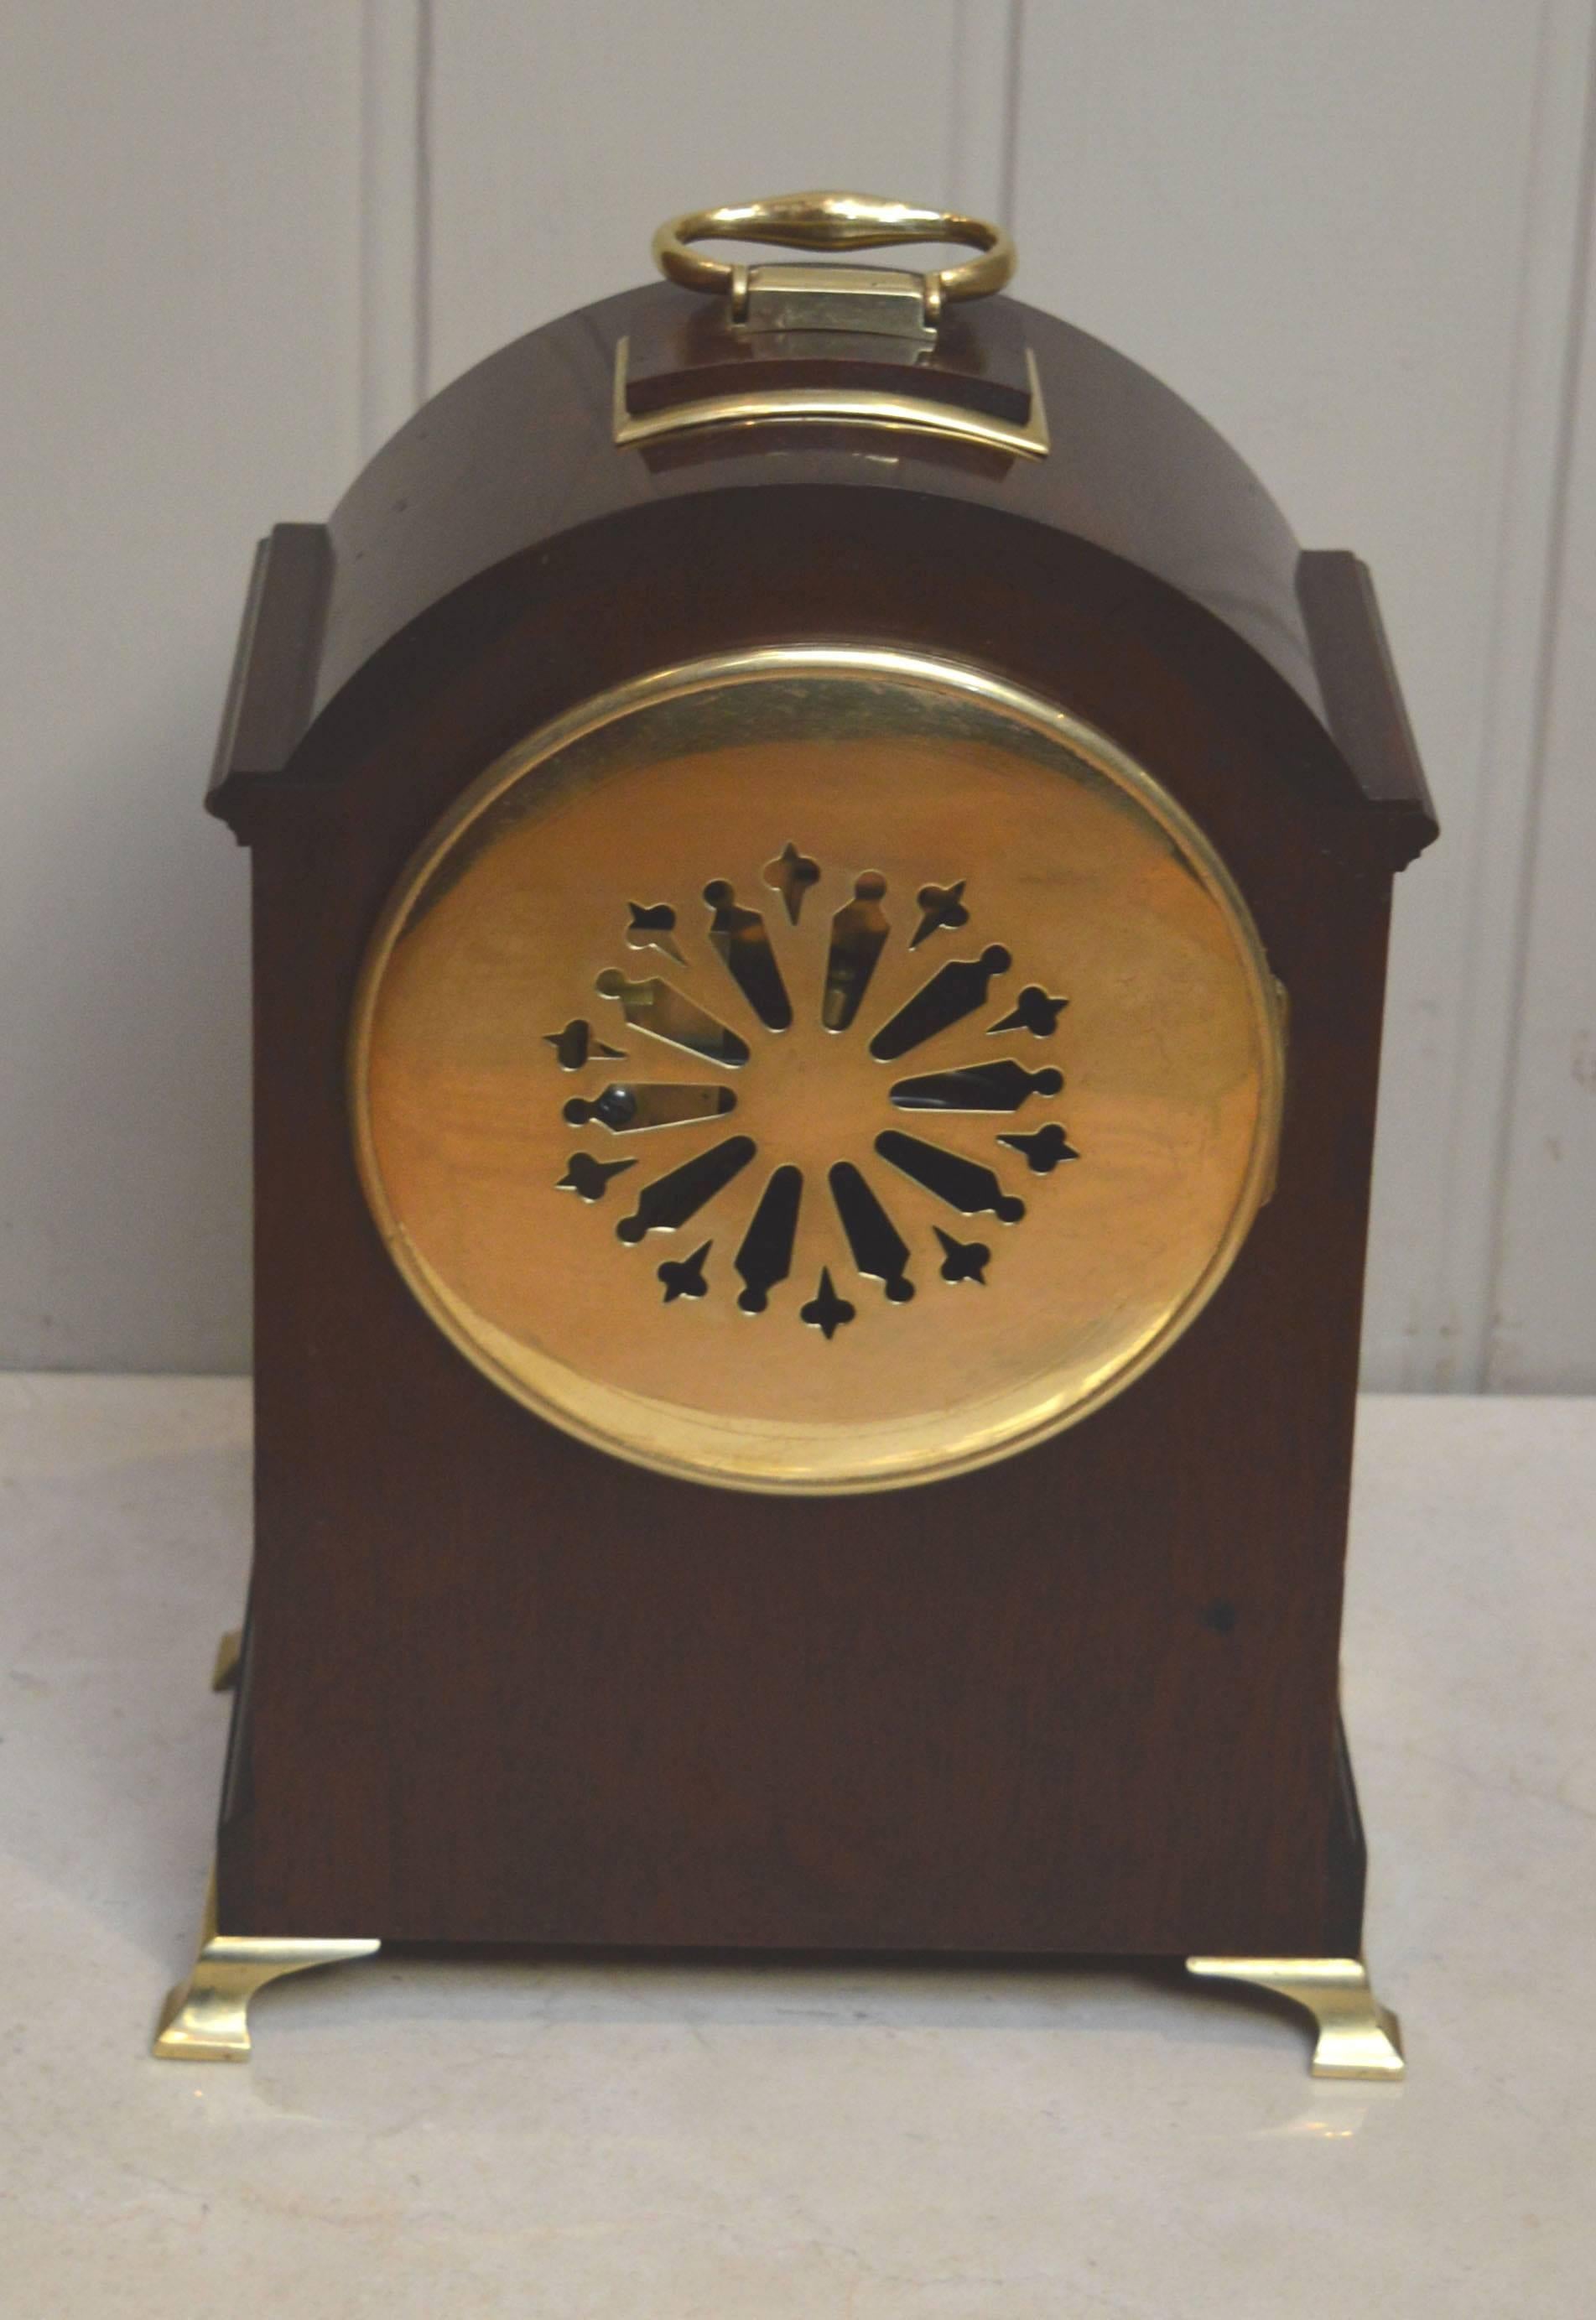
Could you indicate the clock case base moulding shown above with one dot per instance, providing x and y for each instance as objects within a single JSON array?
[{"x": 206, "y": 2017}]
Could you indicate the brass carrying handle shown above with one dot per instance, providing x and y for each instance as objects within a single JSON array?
[{"x": 832, "y": 221}]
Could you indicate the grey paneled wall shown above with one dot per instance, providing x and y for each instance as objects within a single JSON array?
[
  {"x": 1350, "y": 235},
  {"x": 1356, "y": 236},
  {"x": 1543, "y": 1288},
  {"x": 556, "y": 144},
  {"x": 178, "y": 274}
]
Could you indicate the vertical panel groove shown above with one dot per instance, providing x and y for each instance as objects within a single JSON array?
[
  {"x": 423, "y": 201},
  {"x": 1009, "y": 211},
  {"x": 395, "y": 47},
  {"x": 1534, "y": 1339},
  {"x": 980, "y": 171},
  {"x": 1530, "y": 550}
]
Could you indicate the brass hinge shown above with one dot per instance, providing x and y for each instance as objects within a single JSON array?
[{"x": 882, "y": 302}]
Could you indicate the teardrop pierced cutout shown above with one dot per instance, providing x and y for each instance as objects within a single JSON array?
[
  {"x": 739, "y": 936},
  {"x": 670, "y": 1202},
  {"x": 965, "y": 1184},
  {"x": 954, "y": 991},
  {"x": 879, "y": 1249},
  {"x": 664, "y": 1012},
  {"x": 858, "y": 937},
  {"x": 976, "y": 1087},
  {"x": 765, "y": 1256},
  {"x": 624, "y": 1109}
]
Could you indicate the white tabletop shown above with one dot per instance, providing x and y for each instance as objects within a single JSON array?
[{"x": 577, "y": 2141}]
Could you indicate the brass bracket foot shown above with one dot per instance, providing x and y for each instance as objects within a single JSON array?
[
  {"x": 1358, "y": 2038},
  {"x": 205, "y": 2020}
]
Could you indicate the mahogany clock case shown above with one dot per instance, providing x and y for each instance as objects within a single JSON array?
[{"x": 498, "y": 1686}]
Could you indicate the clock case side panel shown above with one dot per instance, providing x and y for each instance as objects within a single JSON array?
[{"x": 502, "y": 1687}]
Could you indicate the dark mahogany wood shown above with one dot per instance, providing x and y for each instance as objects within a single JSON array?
[
  {"x": 499, "y": 1687},
  {"x": 273, "y": 686},
  {"x": 1363, "y": 701}
]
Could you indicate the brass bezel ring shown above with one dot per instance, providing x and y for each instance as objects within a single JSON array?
[
  {"x": 832, "y": 221},
  {"x": 693, "y": 1447}
]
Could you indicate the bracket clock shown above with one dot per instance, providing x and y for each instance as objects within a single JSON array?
[{"x": 820, "y": 875}]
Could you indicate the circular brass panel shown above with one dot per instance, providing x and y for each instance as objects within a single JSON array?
[{"x": 713, "y": 1092}]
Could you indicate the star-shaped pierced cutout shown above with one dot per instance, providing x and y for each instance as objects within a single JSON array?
[
  {"x": 650, "y": 929},
  {"x": 1044, "y": 1150},
  {"x": 791, "y": 875},
  {"x": 589, "y": 1178},
  {"x": 963, "y": 1260},
  {"x": 1034, "y": 1011},
  {"x": 685, "y": 1278},
  {"x": 943, "y": 906},
  {"x": 575, "y": 1046},
  {"x": 826, "y": 1311}
]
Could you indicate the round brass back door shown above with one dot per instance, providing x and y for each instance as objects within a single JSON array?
[{"x": 815, "y": 1070}]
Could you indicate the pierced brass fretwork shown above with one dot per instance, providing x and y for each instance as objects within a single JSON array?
[{"x": 918, "y": 1075}]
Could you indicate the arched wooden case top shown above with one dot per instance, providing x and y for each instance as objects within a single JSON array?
[{"x": 818, "y": 987}]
